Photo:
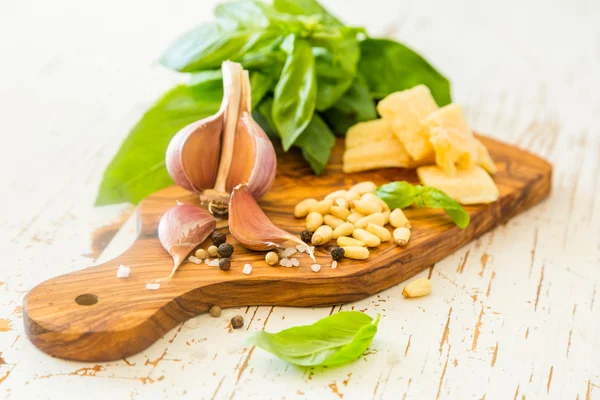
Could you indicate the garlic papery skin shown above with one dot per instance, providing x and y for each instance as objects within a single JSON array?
[
  {"x": 181, "y": 229},
  {"x": 251, "y": 227},
  {"x": 254, "y": 161}
]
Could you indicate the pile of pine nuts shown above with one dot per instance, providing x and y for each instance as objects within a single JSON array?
[{"x": 355, "y": 218}]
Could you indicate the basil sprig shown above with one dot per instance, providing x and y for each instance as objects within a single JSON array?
[
  {"x": 311, "y": 77},
  {"x": 338, "y": 339},
  {"x": 403, "y": 194}
]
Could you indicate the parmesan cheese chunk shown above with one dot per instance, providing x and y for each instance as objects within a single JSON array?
[
  {"x": 452, "y": 140},
  {"x": 364, "y": 133},
  {"x": 407, "y": 110},
  {"x": 471, "y": 186},
  {"x": 383, "y": 154}
]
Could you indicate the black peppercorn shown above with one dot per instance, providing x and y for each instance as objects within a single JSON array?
[
  {"x": 237, "y": 322},
  {"x": 306, "y": 236},
  {"x": 224, "y": 264},
  {"x": 218, "y": 238},
  {"x": 337, "y": 253},
  {"x": 225, "y": 250}
]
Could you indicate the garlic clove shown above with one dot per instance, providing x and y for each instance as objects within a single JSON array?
[
  {"x": 193, "y": 154},
  {"x": 250, "y": 226},
  {"x": 255, "y": 162},
  {"x": 181, "y": 229}
]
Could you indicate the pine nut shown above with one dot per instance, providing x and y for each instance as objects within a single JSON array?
[
  {"x": 322, "y": 235},
  {"x": 354, "y": 216},
  {"x": 322, "y": 207},
  {"x": 417, "y": 288},
  {"x": 366, "y": 237},
  {"x": 332, "y": 221},
  {"x": 386, "y": 215},
  {"x": 271, "y": 258},
  {"x": 351, "y": 195},
  {"x": 377, "y": 219},
  {"x": 380, "y": 231},
  {"x": 401, "y": 236},
  {"x": 375, "y": 199},
  {"x": 341, "y": 203},
  {"x": 344, "y": 229},
  {"x": 365, "y": 207},
  {"x": 344, "y": 241},
  {"x": 340, "y": 212},
  {"x": 364, "y": 187},
  {"x": 398, "y": 219},
  {"x": 302, "y": 209},
  {"x": 356, "y": 252},
  {"x": 336, "y": 195},
  {"x": 313, "y": 221}
]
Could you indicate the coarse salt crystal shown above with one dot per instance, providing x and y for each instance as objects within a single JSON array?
[
  {"x": 295, "y": 262},
  {"x": 206, "y": 261},
  {"x": 334, "y": 264},
  {"x": 152, "y": 286},
  {"x": 284, "y": 262},
  {"x": 195, "y": 260},
  {"x": 214, "y": 263},
  {"x": 247, "y": 269},
  {"x": 315, "y": 267},
  {"x": 123, "y": 271},
  {"x": 288, "y": 252},
  {"x": 301, "y": 248}
]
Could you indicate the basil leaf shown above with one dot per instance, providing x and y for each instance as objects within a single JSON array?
[
  {"x": 338, "y": 339},
  {"x": 305, "y": 7},
  {"x": 399, "y": 194},
  {"x": 241, "y": 14},
  {"x": 296, "y": 92},
  {"x": 138, "y": 169},
  {"x": 316, "y": 142},
  {"x": 389, "y": 67},
  {"x": 403, "y": 194},
  {"x": 354, "y": 106},
  {"x": 261, "y": 84},
  {"x": 435, "y": 198}
]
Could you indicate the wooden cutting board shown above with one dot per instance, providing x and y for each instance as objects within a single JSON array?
[{"x": 91, "y": 315}]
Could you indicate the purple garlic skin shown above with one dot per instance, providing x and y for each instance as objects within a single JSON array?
[{"x": 181, "y": 229}]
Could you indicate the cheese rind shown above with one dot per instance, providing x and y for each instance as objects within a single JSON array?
[
  {"x": 467, "y": 186},
  {"x": 406, "y": 110}
]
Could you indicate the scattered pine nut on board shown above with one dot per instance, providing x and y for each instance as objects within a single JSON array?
[{"x": 126, "y": 318}]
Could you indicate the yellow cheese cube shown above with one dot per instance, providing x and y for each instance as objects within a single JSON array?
[
  {"x": 452, "y": 140},
  {"x": 467, "y": 186},
  {"x": 363, "y": 133},
  {"x": 382, "y": 154},
  {"x": 406, "y": 110}
]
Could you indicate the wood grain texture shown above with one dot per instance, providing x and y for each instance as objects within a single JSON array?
[{"x": 128, "y": 318}]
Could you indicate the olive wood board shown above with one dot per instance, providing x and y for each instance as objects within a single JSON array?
[{"x": 127, "y": 318}]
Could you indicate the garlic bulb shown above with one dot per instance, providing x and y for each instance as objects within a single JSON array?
[
  {"x": 250, "y": 226},
  {"x": 213, "y": 155},
  {"x": 181, "y": 229}
]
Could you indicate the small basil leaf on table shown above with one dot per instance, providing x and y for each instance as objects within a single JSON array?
[
  {"x": 389, "y": 67},
  {"x": 403, "y": 194},
  {"x": 296, "y": 91},
  {"x": 356, "y": 105},
  {"x": 338, "y": 339},
  {"x": 138, "y": 169}
]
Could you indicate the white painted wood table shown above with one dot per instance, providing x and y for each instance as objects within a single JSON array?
[{"x": 514, "y": 314}]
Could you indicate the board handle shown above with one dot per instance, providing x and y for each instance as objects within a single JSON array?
[{"x": 91, "y": 315}]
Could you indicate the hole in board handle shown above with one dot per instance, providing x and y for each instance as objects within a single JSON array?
[{"x": 86, "y": 299}]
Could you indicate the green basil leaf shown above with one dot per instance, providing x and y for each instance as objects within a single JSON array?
[
  {"x": 435, "y": 198},
  {"x": 296, "y": 91},
  {"x": 403, "y": 194},
  {"x": 261, "y": 84},
  {"x": 305, "y": 7},
  {"x": 242, "y": 14},
  {"x": 316, "y": 142},
  {"x": 338, "y": 339},
  {"x": 138, "y": 169},
  {"x": 398, "y": 194},
  {"x": 354, "y": 106},
  {"x": 389, "y": 67}
]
